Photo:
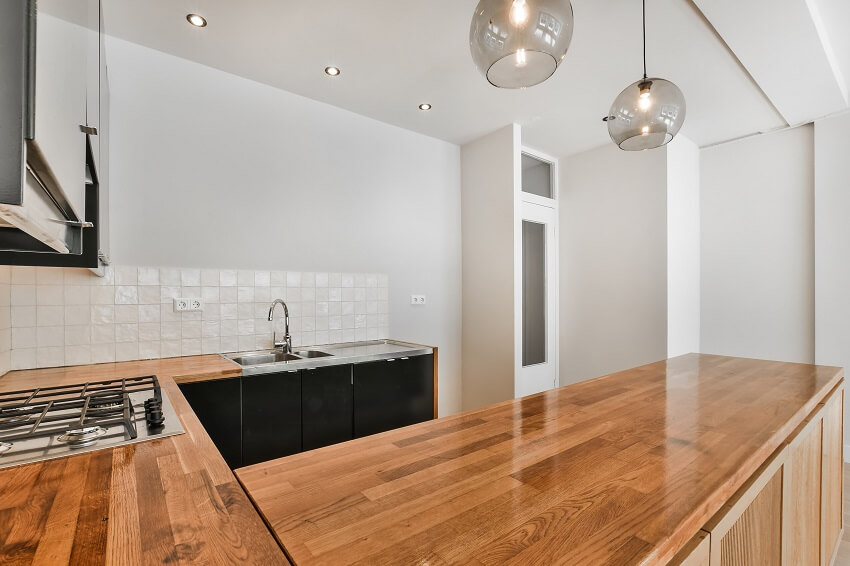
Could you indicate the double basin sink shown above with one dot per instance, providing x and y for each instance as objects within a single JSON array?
[
  {"x": 261, "y": 358},
  {"x": 309, "y": 357}
]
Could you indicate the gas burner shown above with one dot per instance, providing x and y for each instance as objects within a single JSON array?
[
  {"x": 106, "y": 400},
  {"x": 82, "y": 436},
  {"x": 13, "y": 416},
  {"x": 5, "y": 447}
]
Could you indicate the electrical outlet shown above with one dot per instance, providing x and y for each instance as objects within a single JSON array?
[
  {"x": 417, "y": 299},
  {"x": 188, "y": 304}
]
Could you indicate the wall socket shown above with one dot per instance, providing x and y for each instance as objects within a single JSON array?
[
  {"x": 188, "y": 304},
  {"x": 417, "y": 299}
]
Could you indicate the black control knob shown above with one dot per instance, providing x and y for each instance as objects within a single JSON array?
[{"x": 153, "y": 413}]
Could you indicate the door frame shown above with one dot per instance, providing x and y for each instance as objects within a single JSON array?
[{"x": 545, "y": 206}]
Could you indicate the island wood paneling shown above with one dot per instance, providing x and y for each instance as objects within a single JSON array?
[
  {"x": 832, "y": 481},
  {"x": 802, "y": 496},
  {"x": 171, "y": 501},
  {"x": 622, "y": 469}
]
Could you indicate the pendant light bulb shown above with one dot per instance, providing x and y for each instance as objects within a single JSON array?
[
  {"x": 520, "y": 43},
  {"x": 648, "y": 113},
  {"x": 519, "y": 12}
]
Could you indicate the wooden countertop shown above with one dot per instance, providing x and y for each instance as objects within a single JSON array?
[
  {"x": 172, "y": 500},
  {"x": 623, "y": 469}
]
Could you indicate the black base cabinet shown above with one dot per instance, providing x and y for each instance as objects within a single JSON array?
[
  {"x": 326, "y": 406},
  {"x": 393, "y": 393},
  {"x": 271, "y": 416},
  {"x": 218, "y": 406},
  {"x": 257, "y": 418}
]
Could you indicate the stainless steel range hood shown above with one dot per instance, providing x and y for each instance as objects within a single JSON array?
[{"x": 35, "y": 213}]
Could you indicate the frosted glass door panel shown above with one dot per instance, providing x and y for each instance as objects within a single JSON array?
[
  {"x": 536, "y": 177},
  {"x": 533, "y": 293}
]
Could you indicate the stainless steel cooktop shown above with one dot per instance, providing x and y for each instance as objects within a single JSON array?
[{"x": 52, "y": 422}]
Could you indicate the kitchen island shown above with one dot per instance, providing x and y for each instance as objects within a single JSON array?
[{"x": 688, "y": 459}]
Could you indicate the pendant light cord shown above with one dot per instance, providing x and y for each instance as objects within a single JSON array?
[{"x": 644, "y": 38}]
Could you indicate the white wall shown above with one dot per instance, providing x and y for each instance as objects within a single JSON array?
[
  {"x": 832, "y": 245},
  {"x": 683, "y": 247},
  {"x": 213, "y": 170},
  {"x": 757, "y": 249},
  {"x": 489, "y": 172},
  {"x": 613, "y": 261}
]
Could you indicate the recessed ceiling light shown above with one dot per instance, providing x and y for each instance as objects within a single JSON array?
[
  {"x": 196, "y": 20},
  {"x": 425, "y": 106},
  {"x": 332, "y": 71}
]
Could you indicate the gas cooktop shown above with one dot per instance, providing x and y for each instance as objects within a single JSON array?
[{"x": 51, "y": 422}]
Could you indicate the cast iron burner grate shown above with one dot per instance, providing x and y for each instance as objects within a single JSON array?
[{"x": 73, "y": 412}]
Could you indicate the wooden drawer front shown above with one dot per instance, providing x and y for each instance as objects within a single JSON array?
[
  {"x": 802, "y": 501},
  {"x": 831, "y": 492}
]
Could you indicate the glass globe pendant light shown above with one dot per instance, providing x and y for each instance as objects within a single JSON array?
[
  {"x": 520, "y": 43},
  {"x": 648, "y": 113}
]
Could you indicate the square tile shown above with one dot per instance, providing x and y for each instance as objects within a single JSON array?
[
  {"x": 22, "y": 295},
  {"x": 103, "y": 295},
  {"x": 50, "y": 316},
  {"x": 293, "y": 279},
  {"x": 190, "y": 277},
  {"x": 150, "y": 295},
  {"x": 126, "y": 351},
  {"x": 149, "y": 350},
  {"x": 24, "y": 338},
  {"x": 126, "y": 275},
  {"x": 149, "y": 332},
  {"x": 77, "y": 335},
  {"x": 245, "y": 278},
  {"x": 149, "y": 313},
  {"x": 126, "y": 295},
  {"x": 170, "y": 277},
  {"x": 228, "y": 278},
  {"x": 262, "y": 278},
  {"x": 77, "y": 315},
  {"x": 127, "y": 313},
  {"x": 77, "y": 295},
  {"x": 148, "y": 276},
  {"x": 210, "y": 277},
  {"x": 23, "y": 275},
  {"x": 103, "y": 314}
]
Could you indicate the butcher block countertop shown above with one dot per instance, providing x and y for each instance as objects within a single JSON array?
[
  {"x": 623, "y": 469},
  {"x": 171, "y": 500}
]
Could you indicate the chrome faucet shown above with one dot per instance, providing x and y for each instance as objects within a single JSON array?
[{"x": 286, "y": 345}]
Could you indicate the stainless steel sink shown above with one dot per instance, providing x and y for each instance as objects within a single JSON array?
[
  {"x": 264, "y": 358},
  {"x": 312, "y": 354}
]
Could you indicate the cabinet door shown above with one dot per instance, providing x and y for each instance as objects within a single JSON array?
[
  {"x": 801, "y": 501},
  {"x": 831, "y": 483},
  {"x": 749, "y": 530},
  {"x": 218, "y": 407},
  {"x": 60, "y": 96},
  {"x": 271, "y": 416},
  {"x": 93, "y": 53},
  {"x": 390, "y": 394},
  {"x": 326, "y": 405}
]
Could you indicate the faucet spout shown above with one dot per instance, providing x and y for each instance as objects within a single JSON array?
[{"x": 286, "y": 344}]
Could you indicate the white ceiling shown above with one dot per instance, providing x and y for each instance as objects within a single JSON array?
[{"x": 395, "y": 54}]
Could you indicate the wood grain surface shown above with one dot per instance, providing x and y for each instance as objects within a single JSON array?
[
  {"x": 170, "y": 501},
  {"x": 623, "y": 469}
]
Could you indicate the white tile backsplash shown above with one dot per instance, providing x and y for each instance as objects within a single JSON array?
[{"x": 54, "y": 316}]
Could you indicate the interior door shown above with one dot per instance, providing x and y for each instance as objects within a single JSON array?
[{"x": 539, "y": 300}]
